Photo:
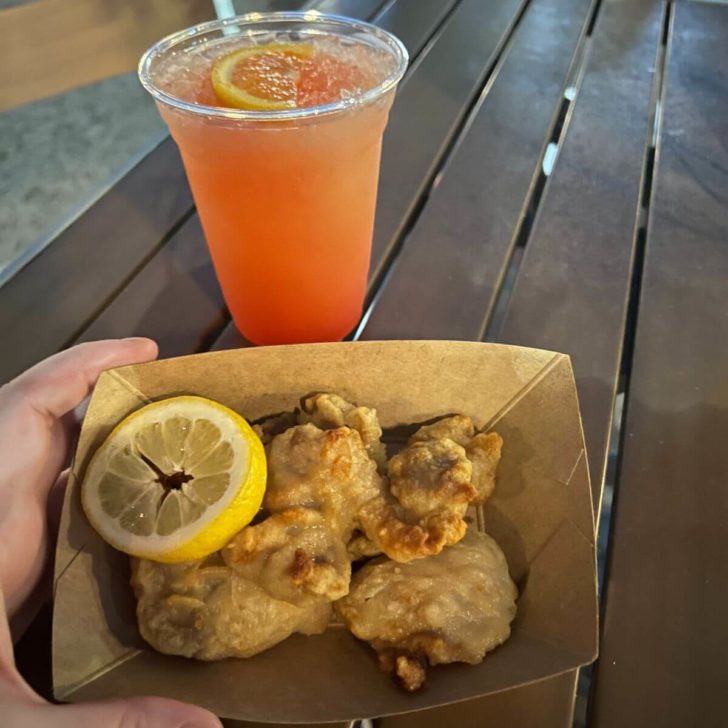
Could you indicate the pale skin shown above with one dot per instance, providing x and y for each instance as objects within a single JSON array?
[{"x": 37, "y": 430}]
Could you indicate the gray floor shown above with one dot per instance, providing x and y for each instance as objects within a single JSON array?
[{"x": 58, "y": 153}]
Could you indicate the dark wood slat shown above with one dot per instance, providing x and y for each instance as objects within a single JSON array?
[
  {"x": 573, "y": 285},
  {"x": 414, "y": 21},
  {"x": 616, "y": 47},
  {"x": 444, "y": 283},
  {"x": 428, "y": 110},
  {"x": 175, "y": 299},
  {"x": 46, "y": 303},
  {"x": 361, "y": 9},
  {"x": 665, "y": 640}
]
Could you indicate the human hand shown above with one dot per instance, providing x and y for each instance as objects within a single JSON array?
[{"x": 37, "y": 428}]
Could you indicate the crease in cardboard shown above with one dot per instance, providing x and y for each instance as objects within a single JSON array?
[
  {"x": 60, "y": 574},
  {"x": 582, "y": 455},
  {"x": 129, "y": 386},
  {"x": 518, "y": 396},
  {"x": 549, "y": 539},
  {"x": 69, "y": 690}
]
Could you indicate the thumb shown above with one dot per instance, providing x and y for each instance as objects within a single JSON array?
[
  {"x": 143, "y": 712},
  {"x": 58, "y": 384}
]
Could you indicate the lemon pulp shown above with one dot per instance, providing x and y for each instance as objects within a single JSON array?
[{"x": 175, "y": 480}]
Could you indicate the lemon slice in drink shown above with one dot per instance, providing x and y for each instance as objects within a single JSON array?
[
  {"x": 262, "y": 77},
  {"x": 175, "y": 480}
]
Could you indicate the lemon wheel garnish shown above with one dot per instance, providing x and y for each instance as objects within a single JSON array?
[
  {"x": 175, "y": 480},
  {"x": 268, "y": 79}
]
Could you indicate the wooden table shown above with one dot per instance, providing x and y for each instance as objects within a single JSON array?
[{"x": 554, "y": 174}]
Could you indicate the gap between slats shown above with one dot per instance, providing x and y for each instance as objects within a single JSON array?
[
  {"x": 492, "y": 327},
  {"x": 611, "y": 483}
]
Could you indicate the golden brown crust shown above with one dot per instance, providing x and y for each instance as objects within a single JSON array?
[
  {"x": 293, "y": 555},
  {"x": 430, "y": 476},
  {"x": 329, "y": 411},
  {"x": 410, "y": 671},
  {"x": 452, "y": 607},
  {"x": 484, "y": 452},
  {"x": 403, "y": 541}
]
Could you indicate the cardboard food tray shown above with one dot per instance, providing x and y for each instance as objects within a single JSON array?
[{"x": 540, "y": 514}]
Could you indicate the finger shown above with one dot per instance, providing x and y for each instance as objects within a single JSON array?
[
  {"x": 131, "y": 713},
  {"x": 60, "y": 383}
]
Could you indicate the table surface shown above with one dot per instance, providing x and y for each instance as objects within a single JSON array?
[{"x": 554, "y": 174}]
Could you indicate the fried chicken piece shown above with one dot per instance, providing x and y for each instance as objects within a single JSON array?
[
  {"x": 483, "y": 450},
  {"x": 206, "y": 610},
  {"x": 404, "y": 537},
  {"x": 432, "y": 484},
  {"x": 293, "y": 555},
  {"x": 431, "y": 480},
  {"x": 432, "y": 475},
  {"x": 452, "y": 607},
  {"x": 329, "y": 411},
  {"x": 329, "y": 471}
]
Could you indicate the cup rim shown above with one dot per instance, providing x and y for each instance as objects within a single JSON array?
[{"x": 368, "y": 96}]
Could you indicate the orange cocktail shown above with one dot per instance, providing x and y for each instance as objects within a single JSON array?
[{"x": 279, "y": 120}]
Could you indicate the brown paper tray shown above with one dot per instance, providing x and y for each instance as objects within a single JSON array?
[{"x": 540, "y": 514}]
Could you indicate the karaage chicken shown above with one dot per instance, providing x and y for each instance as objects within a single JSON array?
[
  {"x": 328, "y": 471},
  {"x": 452, "y": 607},
  {"x": 483, "y": 450},
  {"x": 329, "y": 411},
  {"x": 206, "y": 610},
  {"x": 444, "y": 469},
  {"x": 292, "y": 555}
]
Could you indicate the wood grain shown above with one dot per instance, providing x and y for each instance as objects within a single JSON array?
[
  {"x": 665, "y": 642},
  {"x": 572, "y": 288}
]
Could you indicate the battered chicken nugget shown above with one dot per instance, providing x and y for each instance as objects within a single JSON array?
[
  {"x": 292, "y": 555},
  {"x": 329, "y": 411},
  {"x": 404, "y": 537},
  {"x": 458, "y": 428},
  {"x": 444, "y": 469},
  {"x": 453, "y": 607},
  {"x": 203, "y": 609},
  {"x": 432, "y": 475},
  {"x": 483, "y": 450},
  {"x": 329, "y": 471}
]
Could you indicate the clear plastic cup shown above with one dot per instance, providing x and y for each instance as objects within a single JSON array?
[{"x": 286, "y": 197}]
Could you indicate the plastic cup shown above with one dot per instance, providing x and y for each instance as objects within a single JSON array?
[{"x": 287, "y": 197}]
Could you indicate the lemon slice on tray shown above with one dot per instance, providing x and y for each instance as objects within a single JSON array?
[
  {"x": 175, "y": 480},
  {"x": 262, "y": 77}
]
